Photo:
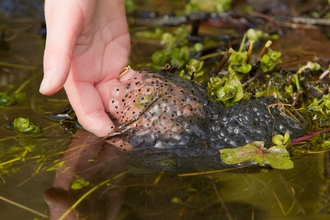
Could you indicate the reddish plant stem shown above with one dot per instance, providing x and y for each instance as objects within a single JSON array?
[{"x": 307, "y": 136}]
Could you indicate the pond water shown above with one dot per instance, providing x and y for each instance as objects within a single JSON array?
[{"x": 117, "y": 185}]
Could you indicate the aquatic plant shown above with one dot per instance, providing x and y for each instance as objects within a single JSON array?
[
  {"x": 237, "y": 62},
  {"x": 23, "y": 125},
  {"x": 6, "y": 100},
  {"x": 256, "y": 35},
  {"x": 270, "y": 60},
  {"x": 275, "y": 156},
  {"x": 176, "y": 50},
  {"x": 79, "y": 183},
  {"x": 194, "y": 69},
  {"x": 226, "y": 90},
  {"x": 10, "y": 100},
  {"x": 208, "y": 6},
  {"x": 321, "y": 105}
]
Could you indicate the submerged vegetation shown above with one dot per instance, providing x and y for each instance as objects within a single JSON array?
[{"x": 276, "y": 156}]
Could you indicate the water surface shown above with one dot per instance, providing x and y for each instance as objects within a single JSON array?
[{"x": 129, "y": 188}]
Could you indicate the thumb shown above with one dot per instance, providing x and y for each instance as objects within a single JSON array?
[{"x": 62, "y": 32}]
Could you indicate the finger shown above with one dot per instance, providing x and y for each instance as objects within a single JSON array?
[
  {"x": 114, "y": 92},
  {"x": 62, "y": 32},
  {"x": 89, "y": 108}
]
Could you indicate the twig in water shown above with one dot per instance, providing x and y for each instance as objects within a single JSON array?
[
  {"x": 229, "y": 215},
  {"x": 88, "y": 193},
  {"x": 24, "y": 207}
]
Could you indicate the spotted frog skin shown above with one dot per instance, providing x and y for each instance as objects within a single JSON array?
[{"x": 165, "y": 113}]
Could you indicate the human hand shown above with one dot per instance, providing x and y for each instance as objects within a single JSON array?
[{"x": 87, "y": 46}]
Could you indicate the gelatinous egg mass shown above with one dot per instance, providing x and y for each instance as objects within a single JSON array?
[{"x": 176, "y": 115}]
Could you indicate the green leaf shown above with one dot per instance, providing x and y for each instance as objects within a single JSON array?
[
  {"x": 197, "y": 47},
  {"x": 246, "y": 68},
  {"x": 56, "y": 165},
  {"x": 194, "y": 65},
  {"x": 270, "y": 60},
  {"x": 159, "y": 58},
  {"x": 238, "y": 58},
  {"x": 184, "y": 75},
  {"x": 271, "y": 90},
  {"x": 275, "y": 56},
  {"x": 280, "y": 140},
  {"x": 79, "y": 183},
  {"x": 30, "y": 147},
  {"x": 256, "y": 153},
  {"x": 225, "y": 93},
  {"x": 325, "y": 144},
  {"x": 208, "y": 6},
  {"x": 130, "y": 6},
  {"x": 321, "y": 105},
  {"x": 23, "y": 125},
  {"x": 228, "y": 91},
  {"x": 6, "y": 100},
  {"x": 254, "y": 34},
  {"x": 167, "y": 38},
  {"x": 239, "y": 90}
]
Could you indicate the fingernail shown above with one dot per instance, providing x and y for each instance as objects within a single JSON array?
[{"x": 46, "y": 83}]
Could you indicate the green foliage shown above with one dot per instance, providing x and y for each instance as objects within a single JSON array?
[
  {"x": 194, "y": 69},
  {"x": 238, "y": 62},
  {"x": 289, "y": 90},
  {"x": 30, "y": 147},
  {"x": 276, "y": 156},
  {"x": 156, "y": 34},
  {"x": 130, "y": 6},
  {"x": 296, "y": 77},
  {"x": 321, "y": 105},
  {"x": 16, "y": 97},
  {"x": 310, "y": 65},
  {"x": 208, "y": 6},
  {"x": 23, "y": 125},
  {"x": 7, "y": 100},
  {"x": 270, "y": 91},
  {"x": 270, "y": 60},
  {"x": 254, "y": 34},
  {"x": 325, "y": 144},
  {"x": 57, "y": 164},
  {"x": 257, "y": 35},
  {"x": 175, "y": 50},
  {"x": 281, "y": 141},
  {"x": 226, "y": 90},
  {"x": 79, "y": 183}
]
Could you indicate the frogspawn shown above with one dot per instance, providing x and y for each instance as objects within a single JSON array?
[{"x": 158, "y": 112}]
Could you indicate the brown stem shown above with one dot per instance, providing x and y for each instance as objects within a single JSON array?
[{"x": 223, "y": 61}]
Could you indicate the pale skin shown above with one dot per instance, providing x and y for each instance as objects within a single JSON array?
[{"x": 87, "y": 46}]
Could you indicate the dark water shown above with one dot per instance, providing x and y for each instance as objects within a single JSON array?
[
  {"x": 131, "y": 189},
  {"x": 22, "y": 9}
]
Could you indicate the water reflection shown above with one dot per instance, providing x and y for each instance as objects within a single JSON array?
[
  {"x": 87, "y": 159},
  {"x": 119, "y": 187}
]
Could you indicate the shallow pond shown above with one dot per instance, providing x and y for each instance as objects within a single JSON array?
[{"x": 109, "y": 184}]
